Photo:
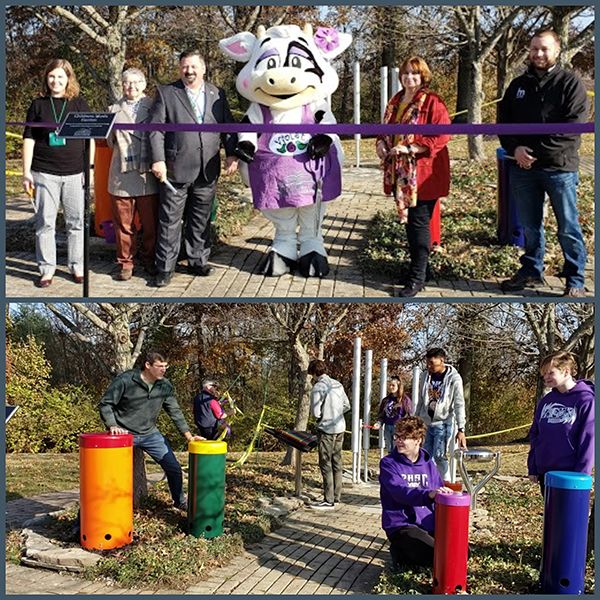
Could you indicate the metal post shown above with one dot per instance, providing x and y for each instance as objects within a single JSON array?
[
  {"x": 382, "y": 395},
  {"x": 360, "y": 426},
  {"x": 416, "y": 385},
  {"x": 86, "y": 219},
  {"x": 383, "y": 91},
  {"x": 450, "y": 451},
  {"x": 357, "y": 109},
  {"x": 395, "y": 80},
  {"x": 298, "y": 474},
  {"x": 367, "y": 411},
  {"x": 356, "y": 409}
]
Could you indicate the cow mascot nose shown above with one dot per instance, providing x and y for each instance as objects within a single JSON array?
[{"x": 288, "y": 77}]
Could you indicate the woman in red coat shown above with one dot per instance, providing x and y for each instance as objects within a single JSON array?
[{"x": 416, "y": 167}]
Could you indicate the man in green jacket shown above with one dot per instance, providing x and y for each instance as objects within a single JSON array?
[{"x": 132, "y": 403}]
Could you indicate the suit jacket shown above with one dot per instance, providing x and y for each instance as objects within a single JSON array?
[{"x": 187, "y": 153}]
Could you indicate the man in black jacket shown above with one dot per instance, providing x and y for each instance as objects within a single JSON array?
[
  {"x": 190, "y": 163},
  {"x": 545, "y": 164}
]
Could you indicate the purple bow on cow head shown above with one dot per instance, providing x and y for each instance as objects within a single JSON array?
[{"x": 326, "y": 39}]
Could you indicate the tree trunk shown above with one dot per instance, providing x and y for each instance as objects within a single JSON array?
[
  {"x": 475, "y": 101},
  {"x": 121, "y": 335},
  {"x": 465, "y": 368},
  {"x": 504, "y": 50},
  {"x": 140, "y": 481},
  {"x": 116, "y": 64},
  {"x": 463, "y": 78},
  {"x": 300, "y": 360}
]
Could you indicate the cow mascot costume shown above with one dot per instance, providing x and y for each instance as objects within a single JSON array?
[{"x": 288, "y": 78}]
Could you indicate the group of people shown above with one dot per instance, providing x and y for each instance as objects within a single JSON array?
[
  {"x": 561, "y": 439},
  {"x": 416, "y": 468},
  {"x": 161, "y": 178},
  {"x": 133, "y": 402},
  {"x": 182, "y": 167},
  {"x": 417, "y": 167}
]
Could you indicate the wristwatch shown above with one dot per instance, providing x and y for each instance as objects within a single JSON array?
[{"x": 461, "y": 429}]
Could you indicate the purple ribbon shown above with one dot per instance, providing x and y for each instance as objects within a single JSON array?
[{"x": 352, "y": 129}]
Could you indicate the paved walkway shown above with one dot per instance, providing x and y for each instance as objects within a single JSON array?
[
  {"x": 237, "y": 261},
  {"x": 315, "y": 552}
]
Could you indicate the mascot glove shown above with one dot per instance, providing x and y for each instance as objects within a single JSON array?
[
  {"x": 318, "y": 145},
  {"x": 245, "y": 151}
]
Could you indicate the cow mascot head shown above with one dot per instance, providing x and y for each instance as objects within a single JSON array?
[{"x": 288, "y": 79}]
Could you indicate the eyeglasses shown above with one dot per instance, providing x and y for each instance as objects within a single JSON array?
[
  {"x": 133, "y": 83},
  {"x": 402, "y": 437}
]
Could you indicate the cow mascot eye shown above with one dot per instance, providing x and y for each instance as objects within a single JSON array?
[{"x": 292, "y": 175}]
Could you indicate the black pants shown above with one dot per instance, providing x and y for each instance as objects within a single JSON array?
[
  {"x": 418, "y": 233},
  {"x": 194, "y": 200},
  {"x": 411, "y": 545}
]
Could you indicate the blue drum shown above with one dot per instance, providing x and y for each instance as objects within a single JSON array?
[{"x": 566, "y": 516}]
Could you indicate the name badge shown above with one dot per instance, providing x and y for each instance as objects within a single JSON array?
[{"x": 56, "y": 140}]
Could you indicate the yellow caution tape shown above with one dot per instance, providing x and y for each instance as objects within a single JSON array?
[
  {"x": 244, "y": 457},
  {"x": 462, "y": 112},
  {"x": 17, "y": 173},
  {"x": 482, "y": 435},
  {"x": 14, "y": 135}
]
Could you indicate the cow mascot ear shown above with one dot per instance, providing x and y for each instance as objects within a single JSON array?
[
  {"x": 330, "y": 42},
  {"x": 239, "y": 46}
]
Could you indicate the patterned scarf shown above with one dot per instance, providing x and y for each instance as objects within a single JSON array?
[{"x": 400, "y": 171}]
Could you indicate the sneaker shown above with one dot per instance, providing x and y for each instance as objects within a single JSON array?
[
  {"x": 182, "y": 506},
  {"x": 324, "y": 505},
  {"x": 519, "y": 282},
  {"x": 574, "y": 292}
]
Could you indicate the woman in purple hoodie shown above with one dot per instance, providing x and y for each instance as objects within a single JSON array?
[
  {"x": 409, "y": 481},
  {"x": 562, "y": 433}
]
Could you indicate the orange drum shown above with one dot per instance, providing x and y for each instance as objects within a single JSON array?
[
  {"x": 102, "y": 205},
  {"x": 106, "y": 490}
]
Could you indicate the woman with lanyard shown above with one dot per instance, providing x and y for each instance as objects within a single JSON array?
[
  {"x": 416, "y": 167},
  {"x": 132, "y": 187},
  {"x": 53, "y": 170}
]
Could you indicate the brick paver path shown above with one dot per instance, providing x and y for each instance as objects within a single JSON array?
[
  {"x": 315, "y": 552},
  {"x": 236, "y": 262}
]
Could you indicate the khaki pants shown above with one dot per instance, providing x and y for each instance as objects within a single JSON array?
[{"x": 330, "y": 463}]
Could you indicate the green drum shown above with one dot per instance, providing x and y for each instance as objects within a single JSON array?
[{"x": 206, "y": 497}]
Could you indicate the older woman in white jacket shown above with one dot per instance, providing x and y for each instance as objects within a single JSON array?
[{"x": 131, "y": 185}]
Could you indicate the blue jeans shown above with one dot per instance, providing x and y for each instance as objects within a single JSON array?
[
  {"x": 158, "y": 448},
  {"x": 388, "y": 435},
  {"x": 437, "y": 440},
  {"x": 529, "y": 188}
]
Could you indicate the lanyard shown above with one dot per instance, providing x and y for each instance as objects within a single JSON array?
[{"x": 57, "y": 119}]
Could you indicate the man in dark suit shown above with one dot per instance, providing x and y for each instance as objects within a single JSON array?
[{"x": 188, "y": 163}]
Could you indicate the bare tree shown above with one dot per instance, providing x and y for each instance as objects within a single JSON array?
[
  {"x": 108, "y": 26},
  {"x": 116, "y": 320},
  {"x": 480, "y": 41}
]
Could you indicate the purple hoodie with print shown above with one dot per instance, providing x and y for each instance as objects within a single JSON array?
[
  {"x": 562, "y": 433},
  {"x": 404, "y": 491}
]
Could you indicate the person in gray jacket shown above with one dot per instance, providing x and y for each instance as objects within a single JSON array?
[
  {"x": 328, "y": 403},
  {"x": 440, "y": 402}
]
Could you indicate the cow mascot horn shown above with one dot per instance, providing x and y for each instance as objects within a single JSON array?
[{"x": 288, "y": 78}]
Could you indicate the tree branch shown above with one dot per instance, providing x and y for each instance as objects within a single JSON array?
[
  {"x": 96, "y": 16},
  {"x": 61, "y": 12}
]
